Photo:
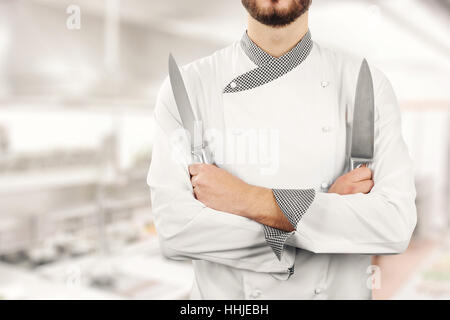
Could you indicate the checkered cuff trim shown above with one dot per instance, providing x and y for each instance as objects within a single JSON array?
[
  {"x": 294, "y": 203},
  {"x": 276, "y": 239}
]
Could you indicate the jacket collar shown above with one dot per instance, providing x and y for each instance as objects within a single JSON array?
[
  {"x": 268, "y": 68},
  {"x": 260, "y": 57}
]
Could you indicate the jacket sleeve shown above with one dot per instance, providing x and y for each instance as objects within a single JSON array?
[
  {"x": 186, "y": 228},
  {"x": 380, "y": 222}
]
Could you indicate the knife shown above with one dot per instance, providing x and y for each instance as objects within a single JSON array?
[
  {"x": 363, "y": 119},
  {"x": 188, "y": 118}
]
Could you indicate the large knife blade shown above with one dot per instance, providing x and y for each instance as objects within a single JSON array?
[
  {"x": 362, "y": 147},
  {"x": 190, "y": 122}
]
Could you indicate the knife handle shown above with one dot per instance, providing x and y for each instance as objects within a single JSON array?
[
  {"x": 201, "y": 156},
  {"x": 358, "y": 162},
  {"x": 205, "y": 156},
  {"x": 197, "y": 157}
]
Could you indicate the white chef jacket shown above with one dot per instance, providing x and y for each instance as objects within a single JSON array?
[{"x": 308, "y": 110}]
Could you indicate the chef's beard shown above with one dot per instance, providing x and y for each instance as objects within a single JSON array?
[{"x": 276, "y": 17}]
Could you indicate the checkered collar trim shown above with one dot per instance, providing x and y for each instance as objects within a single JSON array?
[
  {"x": 255, "y": 53},
  {"x": 268, "y": 68}
]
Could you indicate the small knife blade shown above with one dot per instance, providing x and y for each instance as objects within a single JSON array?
[
  {"x": 188, "y": 119},
  {"x": 362, "y": 147}
]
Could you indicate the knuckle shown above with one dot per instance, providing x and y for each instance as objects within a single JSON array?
[
  {"x": 193, "y": 169},
  {"x": 199, "y": 181}
]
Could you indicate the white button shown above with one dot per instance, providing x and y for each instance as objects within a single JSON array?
[
  {"x": 324, "y": 185},
  {"x": 255, "y": 294},
  {"x": 233, "y": 85},
  {"x": 324, "y": 84},
  {"x": 326, "y": 129},
  {"x": 317, "y": 291}
]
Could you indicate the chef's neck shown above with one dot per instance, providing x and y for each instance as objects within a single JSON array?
[{"x": 277, "y": 41}]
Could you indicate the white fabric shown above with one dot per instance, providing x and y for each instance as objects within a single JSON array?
[{"x": 307, "y": 112}]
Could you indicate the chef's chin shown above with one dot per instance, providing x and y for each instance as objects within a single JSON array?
[{"x": 276, "y": 13}]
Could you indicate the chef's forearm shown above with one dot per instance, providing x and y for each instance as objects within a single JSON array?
[
  {"x": 262, "y": 207},
  {"x": 374, "y": 223}
]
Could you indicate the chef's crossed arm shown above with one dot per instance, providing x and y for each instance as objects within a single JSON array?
[
  {"x": 340, "y": 221},
  {"x": 347, "y": 219},
  {"x": 187, "y": 228},
  {"x": 278, "y": 210}
]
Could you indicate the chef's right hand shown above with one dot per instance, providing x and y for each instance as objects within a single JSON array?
[{"x": 358, "y": 180}]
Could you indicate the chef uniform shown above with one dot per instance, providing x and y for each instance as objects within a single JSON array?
[{"x": 305, "y": 98}]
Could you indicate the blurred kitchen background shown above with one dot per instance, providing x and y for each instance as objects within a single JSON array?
[{"x": 75, "y": 135}]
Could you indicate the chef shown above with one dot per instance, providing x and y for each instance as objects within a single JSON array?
[{"x": 279, "y": 215}]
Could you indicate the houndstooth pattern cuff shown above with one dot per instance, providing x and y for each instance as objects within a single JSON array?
[
  {"x": 276, "y": 239},
  {"x": 293, "y": 203}
]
